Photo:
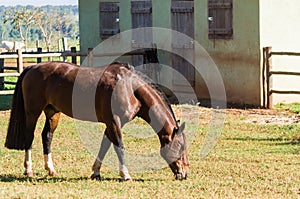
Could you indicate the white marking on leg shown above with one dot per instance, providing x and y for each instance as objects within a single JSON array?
[
  {"x": 124, "y": 173},
  {"x": 122, "y": 168},
  {"x": 28, "y": 163},
  {"x": 49, "y": 164}
]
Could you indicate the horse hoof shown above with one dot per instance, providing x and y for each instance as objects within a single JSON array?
[
  {"x": 28, "y": 174},
  {"x": 52, "y": 173},
  {"x": 125, "y": 176},
  {"x": 96, "y": 177}
]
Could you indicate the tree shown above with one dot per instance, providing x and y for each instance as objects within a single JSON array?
[
  {"x": 30, "y": 23},
  {"x": 49, "y": 23},
  {"x": 21, "y": 19}
]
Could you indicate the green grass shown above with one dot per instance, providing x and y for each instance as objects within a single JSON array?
[
  {"x": 10, "y": 86},
  {"x": 249, "y": 161},
  {"x": 294, "y": 107},
  {"x": 5, "y": 102}
]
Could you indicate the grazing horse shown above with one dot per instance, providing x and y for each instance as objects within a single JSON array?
[{"x": 120, "y": 95}]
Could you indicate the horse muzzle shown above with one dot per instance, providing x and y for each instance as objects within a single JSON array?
[{"x": 181, "y": 176}]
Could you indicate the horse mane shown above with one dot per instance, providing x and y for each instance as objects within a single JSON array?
[
  {"x": 154, "y": 86},
  {"x": 165, "y": 100}
]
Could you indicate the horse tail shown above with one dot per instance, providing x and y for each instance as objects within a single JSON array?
[{"x": 16, "y": 136}]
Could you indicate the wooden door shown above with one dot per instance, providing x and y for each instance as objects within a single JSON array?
[
  {"x": 182, "y": 16},
  {"x": 141, "y": 16}
]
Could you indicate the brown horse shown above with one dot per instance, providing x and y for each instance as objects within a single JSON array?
[{"x": 119, "y": 95}]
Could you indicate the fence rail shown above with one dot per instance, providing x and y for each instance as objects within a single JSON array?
[
  {"x": 20, "y": 56},
  {"x": 38, "y": 55},
  {"x": 268, "y": 72}
]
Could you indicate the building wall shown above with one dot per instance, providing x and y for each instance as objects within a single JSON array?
[
  {"x": 238, "y": 59},
  {"x": 88, "y": 24},
  {"x": 280, "y": 28}
]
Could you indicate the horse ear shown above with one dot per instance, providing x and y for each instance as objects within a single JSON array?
[{"x": 181, "y": 128}]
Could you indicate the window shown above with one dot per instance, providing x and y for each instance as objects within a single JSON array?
[
  {"x": 220, "y": 19},
  {"x": 109, "y": 19}
]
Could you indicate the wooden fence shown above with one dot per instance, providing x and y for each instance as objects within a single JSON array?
[
  {"x": 268, "y": 72},
  {"x": 39, "y": 55},
  {"x": 19, "y": 56}
]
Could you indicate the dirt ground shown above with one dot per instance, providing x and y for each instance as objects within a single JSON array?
[{"x": 267, "y": 116}]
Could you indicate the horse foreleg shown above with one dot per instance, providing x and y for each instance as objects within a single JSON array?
[
  {"x": 119, "y": 148},
  {"x": 52, "y": 118},
  {"x": 105, "y": 144},
  {"x": 123, "y": 171},
  {"x": 28, "y": 163}
]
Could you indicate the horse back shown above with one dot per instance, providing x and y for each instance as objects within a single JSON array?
[
  {"x": 81, "y": 92},
  {"x": 49, "y": 83}
]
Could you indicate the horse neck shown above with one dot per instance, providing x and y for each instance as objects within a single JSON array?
[{"x": 156, "y": 112}]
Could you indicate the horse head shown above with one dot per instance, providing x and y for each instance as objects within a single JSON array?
[{"x": 175, "y": 153}]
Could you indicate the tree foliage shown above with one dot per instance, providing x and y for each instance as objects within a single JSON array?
[
  {"x": 21, "y": 20},
  {"x": 47, "y": 23}
]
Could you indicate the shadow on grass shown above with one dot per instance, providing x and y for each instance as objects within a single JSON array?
[
  {"x": 279, "y": 140},
  {"x": 14, "y": 178},
  {"x": 134, "y": 180},
  {"x": 5, "y": 102}
]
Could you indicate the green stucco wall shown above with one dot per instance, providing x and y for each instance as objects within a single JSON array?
[
  {"x": 88, "y": 24},
  {"x": 238, "y": 59}
]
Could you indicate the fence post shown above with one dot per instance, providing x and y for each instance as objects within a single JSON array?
[
  {"x": 65, "y": 47},
  {"x": 15, "y": 46},
  {"x": 37, "y": 44},
  {"x": 39, "y": 51},
  {"x": 59, "y": 43},
  {"x": 20, "y": 61},
  {"x": 264, "y": 77},
  {"x": 1, "y": 71},
  {"x": 73, "y": 50},
  {"x": 90, "y": 57},
  {"x": 268, "y": 51},
  {"x": 65, "y": 43}
]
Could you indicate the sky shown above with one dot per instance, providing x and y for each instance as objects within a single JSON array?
[{"x": 37, "y": 2}]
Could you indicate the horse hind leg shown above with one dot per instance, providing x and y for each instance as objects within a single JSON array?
[
  {"x": 28, "y": 164},
  {"x": 52, "y": 119},
  {"x": 31, "y": 120}
]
